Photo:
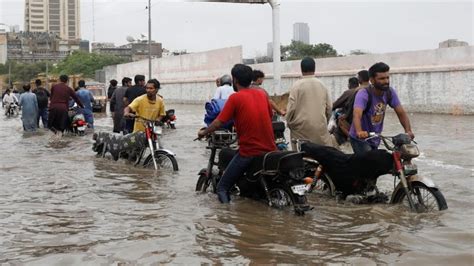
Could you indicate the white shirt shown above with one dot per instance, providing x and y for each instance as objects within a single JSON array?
[
  {"x": 8, "y": 99},
  {"x": 223, "y": 92}
]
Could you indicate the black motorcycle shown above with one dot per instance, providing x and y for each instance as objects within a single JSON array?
[
  {"x": 276, "y": 177},
  {"x": 355, "y": 175}
]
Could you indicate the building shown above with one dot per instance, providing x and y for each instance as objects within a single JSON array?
[
  {"x": 301, "y": 32},
  {"x": 134, "y": 51},
  {"x": 452, "y": 43},
  {"x": 3, "y": 47},
  {"x": 30, "y": 47},
  {"x": 14, "y": 28},
  {"x": 58, "y": 16}
]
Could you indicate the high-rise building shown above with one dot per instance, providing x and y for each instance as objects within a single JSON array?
[
  {"x": 301, "y": 32},
  {"x": 57, "y": 16}
]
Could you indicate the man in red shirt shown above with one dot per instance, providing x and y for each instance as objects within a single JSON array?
[
  {"x": 58, "y": 106},
  {"x": 251, "y": 112}
]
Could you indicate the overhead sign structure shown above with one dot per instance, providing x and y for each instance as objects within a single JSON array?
[{"x": 275, "y": 4}]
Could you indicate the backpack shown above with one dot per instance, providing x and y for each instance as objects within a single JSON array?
[
  {"x": 42, "y": 97},
  {"x": 213, "y": 109},
  {"x": 344, "y": 121}
]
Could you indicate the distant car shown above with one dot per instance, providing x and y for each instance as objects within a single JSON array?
[{"x": 100, "y": 96}]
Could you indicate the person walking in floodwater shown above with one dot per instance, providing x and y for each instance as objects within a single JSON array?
[
  {"x": 58, "y": 108},
  {"x": 29, "y": 109}
]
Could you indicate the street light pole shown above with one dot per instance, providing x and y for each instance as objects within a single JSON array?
[
  {"x": 276, "y": 45},
  {"x": 149, "y": 39}
]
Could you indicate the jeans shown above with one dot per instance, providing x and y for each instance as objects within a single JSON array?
[
  {"x": 43, "y": 115},
  {"x": 236, "y": 168},
  {"x": 360, "y": 146}
]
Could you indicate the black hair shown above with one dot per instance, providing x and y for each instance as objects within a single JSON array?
[
  {"x": 81, "y": 83},
  {"x": 379, "y": 67},
  {"x": 38, "y": 82},
  {"x": 308, "y": 65},
  {"x": 125, "y": 81},
  {"x": 63, "y": 78},
  {"x": 155, "y": 83},
  {"x": 257, "y": 74},
  {"x": 139, "y": 78},
  {"x": 242, "y": 75},
  {"x": 353, "y": 83},
  {"x": 113, "y": 82},
  {"x": 26, "y": 87},
  {"x": 363, "y": 75}
]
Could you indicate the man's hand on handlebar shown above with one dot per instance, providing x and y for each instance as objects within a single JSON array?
[
  {"x": 409, "y": 133},
  {"x": 202, "y": 133},
  {"x": 362, "y": 134},
  {"x": 130, "y": 115}
]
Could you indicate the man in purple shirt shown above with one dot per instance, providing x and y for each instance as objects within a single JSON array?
[{"x": 370, "y": 118}]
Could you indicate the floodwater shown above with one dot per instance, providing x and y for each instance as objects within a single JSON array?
[{"x": 60, "y": 205}]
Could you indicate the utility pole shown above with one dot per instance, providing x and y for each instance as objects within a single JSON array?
[
  {"x": 9, "y": 74},
  {"x": 46, "y": 82},
  {"x": 93, "y": 21},
  {"x": 149, "y": 39}
]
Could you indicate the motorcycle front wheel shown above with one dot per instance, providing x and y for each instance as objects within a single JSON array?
[
  {"x": 164, "y": 161},
  {"x": 426, "y": 199},
  {"x": 203, "y": 182}
]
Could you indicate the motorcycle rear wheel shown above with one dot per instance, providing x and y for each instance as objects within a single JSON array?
[
  {"x": 164, "y": 161},
  {"x": 426, "y": 199},
  {"x": 324, "y": 186}
]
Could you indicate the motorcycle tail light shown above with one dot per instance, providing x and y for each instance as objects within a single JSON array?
[
  {"x": 81, "y": 123},
  {"x": 173, "y": 118},
  {"x": 308, "y": 180}
]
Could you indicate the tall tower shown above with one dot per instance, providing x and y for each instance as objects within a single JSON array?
[
  {"x": 58, "y": 16},
  {"x": 301, "y": 32}
]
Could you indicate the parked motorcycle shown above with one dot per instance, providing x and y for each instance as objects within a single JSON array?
[
  {"x": 336, "y": 173},
  {"x": 276, "y": 177},
  {"x": 139, "y": 148},
  {"x": 78, "y": 122},
  {"x": 170, "y": 119}
]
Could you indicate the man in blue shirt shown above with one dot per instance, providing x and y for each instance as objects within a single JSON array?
[{"x": 87, "y": 99}]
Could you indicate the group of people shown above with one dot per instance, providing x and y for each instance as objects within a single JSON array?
[
  {"x": 129, "y": 101},
  {"x": 307, "y": 113}
]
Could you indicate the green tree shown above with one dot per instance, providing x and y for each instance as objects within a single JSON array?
[
  {"x": 297, "y": 50},
  {"x": 85, "y": 63}
]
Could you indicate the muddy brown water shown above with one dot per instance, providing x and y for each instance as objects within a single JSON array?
[{"x": 59, "y": 204}]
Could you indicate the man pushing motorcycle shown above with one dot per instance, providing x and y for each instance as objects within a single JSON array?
[
  {"x": 245, "y": 107},
  {"x": 369, "y": 109}
]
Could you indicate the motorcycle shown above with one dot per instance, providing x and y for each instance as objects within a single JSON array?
[
  {"x": 276, "y": 177},
  {"x": 78, "y": 122},
  {"x": 170, "y": 119},
  {"x": 134, "y": 146},
  {"x": 355, "y": 175},
  {"x": 12, "y": 109}
]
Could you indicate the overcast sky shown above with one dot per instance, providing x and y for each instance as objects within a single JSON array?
[{"x": 375, "y": 26}]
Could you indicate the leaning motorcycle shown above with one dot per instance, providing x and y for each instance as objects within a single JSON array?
[
  {"x": 275, "y": 177},
  {"x": 140, "y": 148},
  {"x": 339, "y": 174}
]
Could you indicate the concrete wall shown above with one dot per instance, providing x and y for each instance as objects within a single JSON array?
[{"x": 434, "y": 81}]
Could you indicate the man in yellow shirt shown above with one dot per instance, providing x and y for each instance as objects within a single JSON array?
[{"x": 148, "y": 106}]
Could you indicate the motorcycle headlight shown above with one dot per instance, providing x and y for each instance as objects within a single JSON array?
[{"x": 157, "y": 129}]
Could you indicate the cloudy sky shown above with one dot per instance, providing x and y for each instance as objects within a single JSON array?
[{"x": 375, "y": 26}]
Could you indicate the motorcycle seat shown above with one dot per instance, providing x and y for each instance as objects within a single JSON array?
[{"x": 282, "y": 161}]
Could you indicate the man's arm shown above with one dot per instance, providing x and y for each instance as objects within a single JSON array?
[
  {"x": 404, "y": 120},
  {"x": 356, "y": 120},
  {"x": 216, "y": 124},
  {"x": 328, "y": 106},
  {"x": 73, "y": 95},
  {"x": 291, "y": 107},
  {"x": 112, "y": 102},
  {"x": 341, "y": 101}
]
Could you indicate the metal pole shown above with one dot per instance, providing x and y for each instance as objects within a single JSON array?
[
  {"x": 9, "y": 73},
  {"x": 149, "y": 39},
  {"x": 276, "y": 45},
  {"x": 47, "y": 68},
  {"x": 93, "y": 21}
]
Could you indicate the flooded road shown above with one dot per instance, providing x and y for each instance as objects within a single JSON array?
[{"x": 59, "y": 204}]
